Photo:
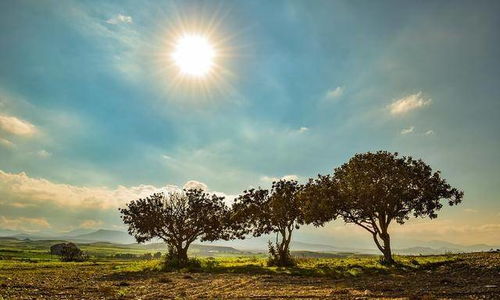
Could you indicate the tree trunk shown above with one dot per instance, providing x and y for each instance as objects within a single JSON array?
[
  {"x": 182, "y": 255},
  {"x": 285, "y": 258},
  {"x": 387, "y": 247}
]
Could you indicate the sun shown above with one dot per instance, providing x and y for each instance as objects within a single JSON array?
[{"x": 194, "y": 55}]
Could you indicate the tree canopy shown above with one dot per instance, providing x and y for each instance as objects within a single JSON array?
[
  {"x": 279, "y": 210},
  {"x": 375, "y": 189},
  {"x": 178, "y": 219}
]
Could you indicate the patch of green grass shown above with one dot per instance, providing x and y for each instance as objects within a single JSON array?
[{"x": 337, "y": 267}]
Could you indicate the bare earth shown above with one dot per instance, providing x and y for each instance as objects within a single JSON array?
[{"x": 473, "y": 276}]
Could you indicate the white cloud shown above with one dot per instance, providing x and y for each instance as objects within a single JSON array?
[
  {"x": 167, "y": 157},
  {"x": 335, "y": 93},
  {"x": 429, "y": 132},
  {"x": 290, "y": 177},
  {"x": 16, "y": 126},
  {"x": 90, "y": 224},
  {"x": 22, "y": 189},
  {"x": 43, "y": 154},
  {"x": 408, "y": 103},
  {"x": 88, "y": 207},
  {"x": 120, "y": 19},
  {"x": 6, "y": 142},
  {"x": 193, "y": 184},
  {"x": 23, "y": 223},
  {"x": 303, "y": 129},
  {"x": 270, "y": 179},
  {"x": 408, "y": 130}
]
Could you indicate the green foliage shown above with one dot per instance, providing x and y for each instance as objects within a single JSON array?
[
  {"x": 173, "y": 264},
  {"x": 70, "y": 252},
  {"x": 178, "y": 219},
  {"x": 280, "y": 211},
  {"x": 373, "y": 190},
  {"x": 279, "y": 258}
]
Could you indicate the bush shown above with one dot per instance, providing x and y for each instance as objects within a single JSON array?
[
  {"x": 147, "y": 256},
  {"x": 125, "y": 256},
  {"x": 278, "y": 258},
  {"x": 173, "y": 264},
  {"x": 70, "y": 252}
]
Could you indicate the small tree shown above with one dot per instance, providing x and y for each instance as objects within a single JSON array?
[
  {"x": 178, "y": 219},
  {"x": 70, "y": 252},
  {"x": 375, "y": 189},
  {"x": 259, "y": 211}
]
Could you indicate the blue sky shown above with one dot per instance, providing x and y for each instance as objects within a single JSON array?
[{"x": 88, "y": 108}]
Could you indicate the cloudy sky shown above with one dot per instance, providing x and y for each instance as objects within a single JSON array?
[{"x": 92, "y": 114}]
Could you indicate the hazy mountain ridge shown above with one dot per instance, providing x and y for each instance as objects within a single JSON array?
[{"x": 253, "y": 245}]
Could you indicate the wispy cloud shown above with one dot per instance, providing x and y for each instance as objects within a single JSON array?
[
  {"x": 193, "y": 184},
  {"x": 23, "y": 223},
  {"x": 303, "y": 129},
  {"x": 408, "y": 103},
  {"x": 43, "y": 154},
  {"x": 21, "y": 188},
  {"x": 91, "y": 224},
  {"x": 6, "y": 143},
  {"x": 16, "y": 126},
  {"x": 408, "y": 130},
  {"x": 334, "y": 93},
  {"x": 120, "y": 19},
  {"x": 270, "y": 179}
]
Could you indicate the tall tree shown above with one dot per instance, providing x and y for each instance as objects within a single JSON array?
[
  {"x": 320, "y": 200},
  {"x": 260, "y": 211},
  {"x": 178, "y": 219},
  {"x": 375, "y": 189}
]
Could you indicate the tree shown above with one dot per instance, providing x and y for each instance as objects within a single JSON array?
[
  {"x": 178, "y": 219},
  {"x": 320, "y": 200},
  {"x": 70, "y": 252},
  {"x": 259, "y": 211},
  {"x": 375, "y": 189}
]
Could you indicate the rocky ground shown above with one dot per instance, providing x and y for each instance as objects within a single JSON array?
[{"x": 470, "y": 276}]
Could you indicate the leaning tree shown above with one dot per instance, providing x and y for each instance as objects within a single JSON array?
[
  {"x": 178, "y": 219},
  {"x": 260, "y": 211},
  {"x": 375, "y": 189}
]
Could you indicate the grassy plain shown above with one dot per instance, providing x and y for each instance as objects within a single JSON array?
[{"x": 28, "y": 272}]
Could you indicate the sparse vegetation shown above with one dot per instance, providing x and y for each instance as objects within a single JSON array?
[{"x": 350, "y": 276}]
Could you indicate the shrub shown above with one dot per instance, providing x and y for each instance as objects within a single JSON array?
[
  {"x": 70, "y": 252},
  {"x": 172, "y": 263},
  {"x": 279, "y": 258}
]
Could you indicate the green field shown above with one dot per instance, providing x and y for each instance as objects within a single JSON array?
[
  {"x": 23, "y": 253},
  {"x": 28, "y": 271}
]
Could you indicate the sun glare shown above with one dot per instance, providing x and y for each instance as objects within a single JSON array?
[{"x": 194, "y": 55}]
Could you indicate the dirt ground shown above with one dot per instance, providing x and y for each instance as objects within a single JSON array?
[{"x": 472, "y": 276}]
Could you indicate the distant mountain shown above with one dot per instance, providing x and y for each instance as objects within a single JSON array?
[
  {"x": 301, "y": 246},
  {"x": 103, "y": 235},
  {"x": 76, "y": 232},
  {"x": 7, "y": 232},
  {"x": 209, "y": 249},
  {"x": 258, "y": 244}
]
